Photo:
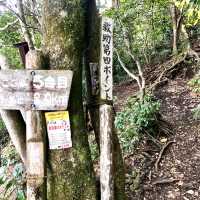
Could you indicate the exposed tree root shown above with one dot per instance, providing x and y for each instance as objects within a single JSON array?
[
  {"x": 161, "y": 153},
  {"x": 165, "y": 181},
  {"x": 162, "y": 71}
]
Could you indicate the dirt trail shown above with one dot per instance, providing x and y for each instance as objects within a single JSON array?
[{"x": 180, "y": 164}]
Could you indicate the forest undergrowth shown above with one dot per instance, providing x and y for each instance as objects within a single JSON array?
[{"x": 169, "y": 168}]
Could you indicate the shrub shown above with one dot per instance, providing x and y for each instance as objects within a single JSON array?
[
  {"x": 195, "y": 84},
  {"x": 12, "y": 175},
  {"x": 4, "y": 137},
  {"x": 196, "y": 112},
  {"x": 135, "y": 118}
]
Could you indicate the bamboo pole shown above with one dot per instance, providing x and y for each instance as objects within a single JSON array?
[{"x": 35, "y": 141}]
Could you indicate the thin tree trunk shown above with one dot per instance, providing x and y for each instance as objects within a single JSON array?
[
  {"x": 174, "y": 25},
  {"x": 23, "y": 23},
  {"x": 17, "y": 131},
  {"x": 187, "y": 42},
  {"x": 71, "y": 173},
  {"x": 177, "y": 20}
]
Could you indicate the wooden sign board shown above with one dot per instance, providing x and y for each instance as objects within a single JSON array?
[
  {"x": 58, "y": 129},
  {"x": 35, "y": 89},
  {"x": 94, "y": 71},
  {"x": 106, "y": 59}
]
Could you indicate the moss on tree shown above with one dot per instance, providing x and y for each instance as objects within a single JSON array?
[{"x": 71, "y": 174}]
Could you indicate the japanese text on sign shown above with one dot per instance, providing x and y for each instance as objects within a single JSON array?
[
  {"x": 58, "y": 128},
  {"x": 37, "y": 90},
  {"x": 106, "y": 61}
]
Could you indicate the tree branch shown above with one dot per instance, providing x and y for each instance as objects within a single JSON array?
[
  {"x": 10, "y": 9},
  {"x": 24, "y": 26},
  {"x": 141, "y": 79},
  {"x": 133, "y": 76},
  {"x": 9, "y": 25},
  {"x": 138, "y": 64},
  {"x": 21, "y": 16}
]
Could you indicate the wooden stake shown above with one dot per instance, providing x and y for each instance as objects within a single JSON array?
[
  {"x": 106, "y": 156},
  {"x": 35, "y": 141},
  {"x": 106, "y": 110}
]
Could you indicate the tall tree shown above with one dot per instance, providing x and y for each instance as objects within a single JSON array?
[{"x": 71, "y": 174}]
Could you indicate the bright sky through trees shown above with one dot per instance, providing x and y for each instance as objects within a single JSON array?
[{"x": 10, "y": 3}]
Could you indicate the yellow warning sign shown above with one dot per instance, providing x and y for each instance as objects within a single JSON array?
[
  {"x": 57, "y": 115},
  {"x": 58, "y": 128}
]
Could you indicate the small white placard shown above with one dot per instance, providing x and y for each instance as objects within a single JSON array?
[
  {"x": 94, "y": 71},
  {"x": 58, "y": 128}
]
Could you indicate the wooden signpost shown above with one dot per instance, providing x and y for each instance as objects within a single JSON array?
[
  {"x": 106, "y": 59},
  {"x": 34, "y": 90},
  {"x": 106, "y": 109}
]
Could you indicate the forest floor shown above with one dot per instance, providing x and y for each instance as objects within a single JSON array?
[{"x": 178, "y": 171}]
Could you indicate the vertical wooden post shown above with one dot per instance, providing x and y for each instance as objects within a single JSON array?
[
  {"x": 35, "y": 141},
  {"x": 106, "y": 155},
  {"x": 106, "y": 108}
]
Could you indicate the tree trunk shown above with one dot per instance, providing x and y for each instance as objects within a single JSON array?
[
  {"x": 24, "y": 26},
  {"x": 176, "y": 24},
  {"x": 16, "y": 129},
  {"x": 71, "y": 174}
]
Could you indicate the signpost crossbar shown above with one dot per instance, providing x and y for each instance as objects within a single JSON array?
[{"x": 35, "y": 89}]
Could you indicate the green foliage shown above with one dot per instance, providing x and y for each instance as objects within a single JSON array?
[
  {"x": 135, "y": 118},
  {"x": 93, "y": 147},
  {"x": 4, "y": 137},
  {"x": 194, "y": 84},
  {"x": 196, "y": 112},
  {"x": 8, "y": 37},
  {"x": 12, "y": 175},
  {"x": 190, "y": 10},
  {"x": 148, "y": 27}
]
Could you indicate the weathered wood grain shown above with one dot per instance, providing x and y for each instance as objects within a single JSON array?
[
  {"x": 106, "y": 155},
  {"x": 35, "y": 142},
  {"x": 35, "y": 89},
  {"x": 29, "y": 80},
  {"x": 106, "y": 111},
  {"x": 106, "y": 59}
]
